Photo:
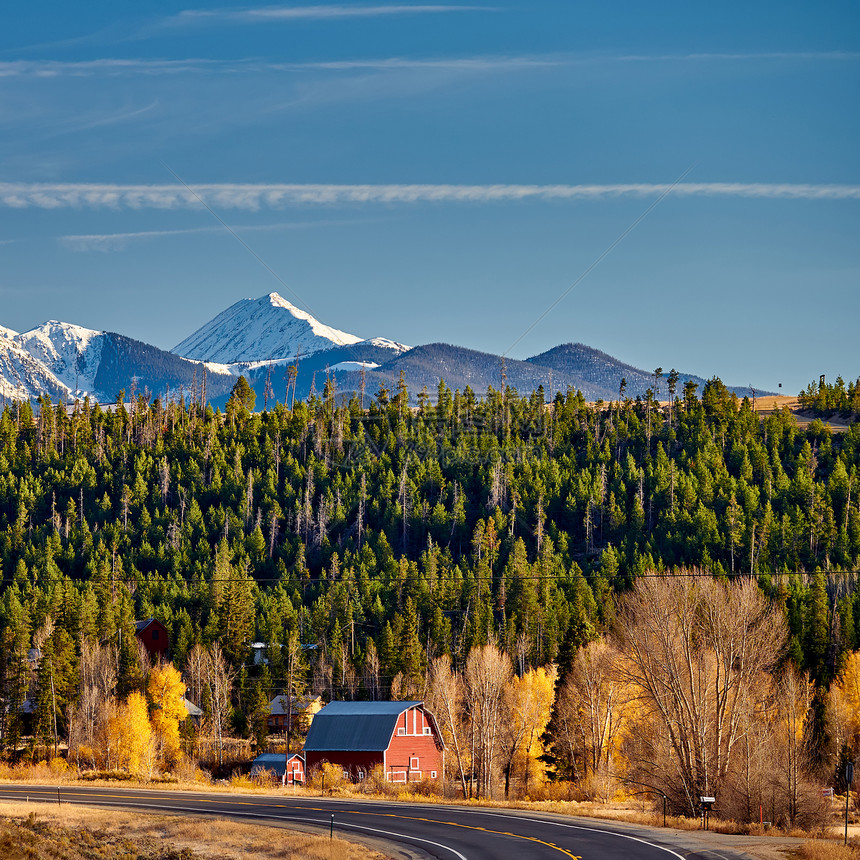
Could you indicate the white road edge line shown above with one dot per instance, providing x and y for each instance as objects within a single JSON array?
[
  {"x": 320, "y": 821},
  {"x": 583, "y": 827},
  {"x": 400, "y": 836}
]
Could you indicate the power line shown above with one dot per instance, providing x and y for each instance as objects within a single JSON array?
[{"x": 293, "y": 580}]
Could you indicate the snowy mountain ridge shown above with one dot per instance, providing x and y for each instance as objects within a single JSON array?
[
  {"x": 68, "y": 361},
  {"x": 262, "y": 339},
  {"x": 23, "y": 377},
  {"x": 70, "y": 352},
  {"x": 265, "y": 330}
]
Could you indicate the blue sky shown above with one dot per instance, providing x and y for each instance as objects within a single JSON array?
[{"x": 445, "y": 172}]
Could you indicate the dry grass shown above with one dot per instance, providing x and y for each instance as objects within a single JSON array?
[
  {"x": 72, "y": 832},
  {"x": 772, "y": 402},
  {"x": 825, "y": 850}
]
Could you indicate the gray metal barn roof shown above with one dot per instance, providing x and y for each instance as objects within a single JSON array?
[{"x": 355, "y": 726}]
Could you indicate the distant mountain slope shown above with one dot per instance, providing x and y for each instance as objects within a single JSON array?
[
  {"x": 424, "y": 366},
  {"x": 597, "y": 369},
  {"x": 570, "y": 366},
  {"x": 312, "y": 370},
  {"x": 127, "y": 363},
  {"x": 260, "y": 338},
  {"x": 23, "y": 377}
]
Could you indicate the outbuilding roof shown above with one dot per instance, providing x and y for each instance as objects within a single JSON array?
[
  {"x": 300, "y": 704},
  {"x": 355, "y": 726},
  {"x": 193, "y": 710},
  {"x": 140, "y": 626},
  {"x": 276, "y": 763}
]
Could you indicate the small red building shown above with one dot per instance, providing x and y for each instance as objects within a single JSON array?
[
  {"x": 401, "y": 736},
  {"x": 295, "y": 770},
  {"x": 153, "y": 634},
  {"x": 290, "y": 769}
]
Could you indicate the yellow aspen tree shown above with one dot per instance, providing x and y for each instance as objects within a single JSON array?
[
  {"x": 128, "y": 733},
  {"x": 536, "y": 700},
  {"x": 166, "y": 691},
  {"x": 843, "y": 707},
  {"x": 139, "y": 730},
  {"x": 850, "y": 686}
]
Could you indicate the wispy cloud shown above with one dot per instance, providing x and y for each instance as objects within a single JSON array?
[
  {"x": 116, "y": 67},
  {"x": 118, "y": 241},
  {"x": 147, "y": 67},
  {"x": 106, "y": 66},
  {"x": 20, "y": 195},
  {"x": 267, "y": 14},
  {"x": 727, "y": 56},
  {"x": 106, "y": 242}
]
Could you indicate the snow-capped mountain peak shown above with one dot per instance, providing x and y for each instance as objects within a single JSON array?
[
  {"x": 8, "y": 333},
  {"x": 264, "y": 329},
  {"x": 70, "y": 352},
  {"x": 386, "y": 343}
]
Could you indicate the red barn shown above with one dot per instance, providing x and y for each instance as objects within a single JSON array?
[
  {"x": 153, "y": 634},
  {"x": 401, "y": 736}
]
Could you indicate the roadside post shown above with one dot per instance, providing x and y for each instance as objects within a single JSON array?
[
  {"x": 849, "y": 778},
  {"x": 652, "y": 789}
]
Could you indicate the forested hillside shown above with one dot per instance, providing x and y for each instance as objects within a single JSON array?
[
  {"x": 831, "y": 399},
  {"x": 388, "y": 536}
]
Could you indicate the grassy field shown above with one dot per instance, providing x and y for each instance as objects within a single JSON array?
[{"x": 43, "y": 832}]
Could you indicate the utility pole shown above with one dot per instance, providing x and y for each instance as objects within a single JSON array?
[{"x": 54, "y": 707}]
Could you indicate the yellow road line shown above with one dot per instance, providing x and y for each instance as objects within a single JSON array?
[{"x": 232, "y": 802}]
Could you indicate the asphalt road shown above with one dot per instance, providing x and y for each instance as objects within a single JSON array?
[{"x": 443, "y": 832}]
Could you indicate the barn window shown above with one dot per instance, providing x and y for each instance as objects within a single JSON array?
[
  {"x": 401, "y": 731},
  {"x": 432, "y": 774},
  {"x": 413, "y": 763},
  {"x": 154, "y": 634},
  {"x": 428, "y": 730}
]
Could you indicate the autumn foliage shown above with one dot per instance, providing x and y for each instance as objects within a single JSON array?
[{"x": 165, "y": 691}]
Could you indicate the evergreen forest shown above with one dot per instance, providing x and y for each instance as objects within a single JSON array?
[{"x": 360, "y": 539}]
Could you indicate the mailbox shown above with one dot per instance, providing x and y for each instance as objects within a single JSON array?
[{"x": 706, "y": 803}]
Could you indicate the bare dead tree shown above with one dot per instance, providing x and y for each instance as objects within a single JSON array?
[
  {"x": 595, "y": 707},
  {"x": 487, "y": 675},
  {"x": 695, "y": 648},
  {"x": 219, "y": 678},
  {"x": 96, "y": 689},
  {"x": 444, "y": 698}
]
